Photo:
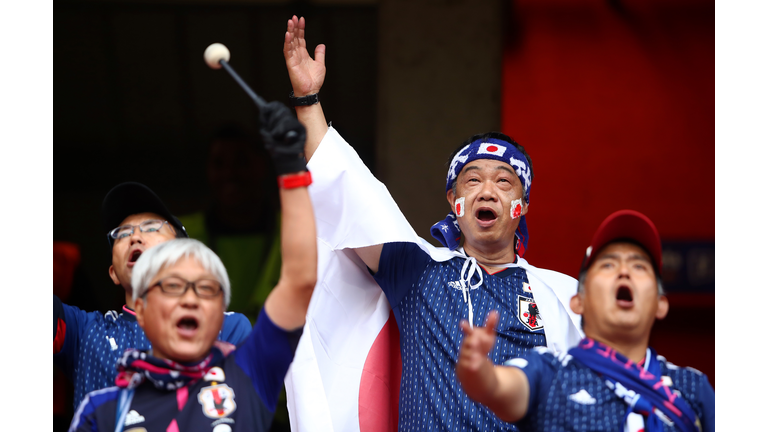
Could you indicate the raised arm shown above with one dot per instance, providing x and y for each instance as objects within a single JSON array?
[
  {"x": 284, "y": 137},
  {"x": 504, "y": 390},
  {"x": 307, "y": 77}
]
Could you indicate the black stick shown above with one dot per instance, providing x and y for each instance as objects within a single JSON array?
[{"x": 256, "y": 98}]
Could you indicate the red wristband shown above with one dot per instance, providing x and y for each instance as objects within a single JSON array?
[{"x": 291, "y": 181}]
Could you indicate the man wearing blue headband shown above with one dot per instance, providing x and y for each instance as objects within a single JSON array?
[
  {"x": 429, "y": 290},
  {"x": 496, "y": 157}
]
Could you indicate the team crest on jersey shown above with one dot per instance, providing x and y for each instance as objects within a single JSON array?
[
  {"x": 214, "y": 374},
  {"x": 218, "y": 401},
  {"x": 528, "y": 313}
]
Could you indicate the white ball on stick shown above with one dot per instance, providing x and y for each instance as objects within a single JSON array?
[{"x": 215, "y": 53}]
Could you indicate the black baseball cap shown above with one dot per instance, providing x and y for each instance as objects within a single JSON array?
[
  {"x": 629, "y": 225},
  {"x": 130, "y": 198}
]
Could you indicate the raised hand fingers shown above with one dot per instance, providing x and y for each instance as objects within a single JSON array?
[
  {"x": 470, "y": 344},
  {"x": 465, "y": 327},
  {"x": 301, "y": 24},
  {"x": 320, "y": 54},
  {"x": 289, "y": 35},
  {"x": 491, "y": 321}
]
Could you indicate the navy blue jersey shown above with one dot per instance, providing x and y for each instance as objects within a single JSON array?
[
  {"x": 87, "y": 345},
  {"x": 428, "y": 305},
  {"x": 568, "y": 396},
  {"x": 240, "y": 392}
]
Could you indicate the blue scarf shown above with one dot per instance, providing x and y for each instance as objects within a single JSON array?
[
  {"x": 651, "y": 395},
  {"x": 447, "y": 231}
]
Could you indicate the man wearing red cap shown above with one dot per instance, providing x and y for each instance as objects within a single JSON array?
[{"x": 612, "y": 380}]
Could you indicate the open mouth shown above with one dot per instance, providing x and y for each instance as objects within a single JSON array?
[
  {"x": 486, "y": 215},
  {"x": 134, "y": 256},
  {"x": 187, "y": 324},
  {"x": 624, "y": 295}
]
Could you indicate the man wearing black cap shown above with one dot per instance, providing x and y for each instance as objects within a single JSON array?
[
  {"x": 612, "y": 380},
  {"x": 87, "y": 345}
]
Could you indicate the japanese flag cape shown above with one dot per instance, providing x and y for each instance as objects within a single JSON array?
[{"x": 348, "y": 309}]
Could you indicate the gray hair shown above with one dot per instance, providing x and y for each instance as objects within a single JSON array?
[
  {"x": 151, "y": 262},
  {"x": 583, "y": 278}
]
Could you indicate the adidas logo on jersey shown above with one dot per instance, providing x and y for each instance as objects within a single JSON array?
[
  {"x": 457, "y": 285},
  {"x": 133, "y": 417},
  {"x": 454, "y": 285},
  {"x": 582, "y": 397}
]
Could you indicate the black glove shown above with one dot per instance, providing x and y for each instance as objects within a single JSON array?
[{"x": 284, "y": 138}]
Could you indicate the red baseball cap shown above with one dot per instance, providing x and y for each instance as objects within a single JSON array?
[{"x": 626, "y": 225}]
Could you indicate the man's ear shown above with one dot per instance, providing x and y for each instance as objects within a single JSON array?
[
  {"x": 450, "y": 197},
  {"x": 113, "y": 275},
  {"x": 525, "y": 208},
  {"x": 663, "y": 308},
  {"x": 138, "y": 307},
  {"x": 576, "y": 305}
]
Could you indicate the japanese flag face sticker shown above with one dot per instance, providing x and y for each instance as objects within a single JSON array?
[
  {"x": 458, "y": 206},
  {"x": 516, "y": 209}
]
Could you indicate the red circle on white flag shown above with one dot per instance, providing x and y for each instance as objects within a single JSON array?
[{"x": 492, "y": 148}]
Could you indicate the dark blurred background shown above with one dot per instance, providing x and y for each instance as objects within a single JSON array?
[{"x": 614, "y": 100}]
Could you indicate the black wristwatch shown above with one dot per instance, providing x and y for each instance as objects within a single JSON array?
[{"x": 304, "y": 100}]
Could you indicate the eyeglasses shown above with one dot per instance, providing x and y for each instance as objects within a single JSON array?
[
  {"x": 148, "y": 226},
  {"x": 177, "y": 287}
]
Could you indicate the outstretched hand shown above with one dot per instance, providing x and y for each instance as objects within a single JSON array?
[
  {"x": 307, "y": 75},
  {"x": 477, "y": 343},
  {"x": 504, "y": 390}
]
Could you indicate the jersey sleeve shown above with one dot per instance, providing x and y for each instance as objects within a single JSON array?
[
  {"x": 539, "y": 368},
  {"x": 400, "y": 266},
  {"x": 265, "y": 357},
  {"x": 69, "y": 323},
  {"x": 97, "y": 411},
  {"x": 235, "y": 329},
  {"x": 707, "y": 399}
]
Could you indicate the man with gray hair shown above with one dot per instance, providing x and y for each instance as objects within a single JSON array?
[
  {"x": 189, "y": 381},
  {"x": 86, "y": 345},
  {"x": 612, "y": 380}
]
